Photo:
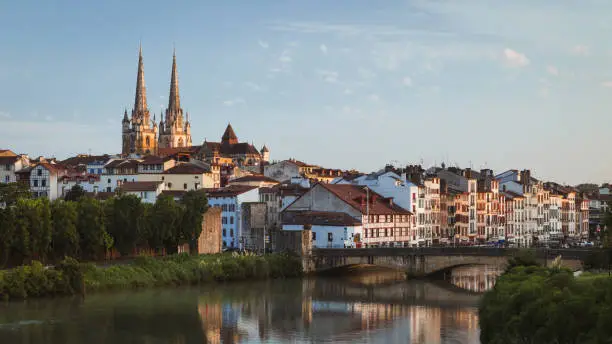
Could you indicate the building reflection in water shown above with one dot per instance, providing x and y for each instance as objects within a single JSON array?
[
  {"x": 475, "y": 278},
  {"x": 373, "y": 308}
]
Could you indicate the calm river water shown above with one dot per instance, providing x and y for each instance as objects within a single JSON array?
[{"x": 374, "y": 307}]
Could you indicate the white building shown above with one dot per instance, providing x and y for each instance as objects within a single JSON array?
[
  {"x": 11, "y": 163},
  {"x": 329, "y": 229},
  {"x": 284, "y": 170},
  {"x": 186, "y": 176},
  {"x": 230, "y": 200},
  {"x": 44, "y": 180},
  {"x": 384, "y": 224},
  {"x": 116, "y": 172},
  {"x": 146, "y": 191},
  {"x": 89, "y": 183}
]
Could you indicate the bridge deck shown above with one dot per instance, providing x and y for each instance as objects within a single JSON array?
[{"x": 451, "y": 251}]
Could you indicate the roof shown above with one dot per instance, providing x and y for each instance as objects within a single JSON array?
[
  {"x": 187, "y": 168},
  {"x": 265, "y": 149},
  {"x": 229, "y": 191},
  {"x": 52, "y": 168},
  {"x": 254, "y": 178},
  {"x": 353, "y": 196},
  {"x": 174, "y": 193},
  {"x": 169, "y": 151},
  {"x": 229, "y": 135},
  {"x": 123, "y": 163},
  {"x": 231, "y": 148},
  {"x": 511, "y": 195},
  {"x": 140, "y": 186},
  {"x": 153, "y": 159},
  {"x": 83, "y": 159},
  {"x": 318, "y": 218}
]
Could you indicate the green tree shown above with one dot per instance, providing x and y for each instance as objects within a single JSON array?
[
  {"x": 7, "y": 233},
  {"x": 41, "y": 229},
  {"x": 65, "y": 234},
  {"x": 75, "y": 193},
  {"x": 26, "y": 217},
  {"x": 94, "y": 240},
  {"x": 195, "y": 204},
  {"x": 11, "y": 192},
  {"x": 164, "y": 223},
  {"x": 125, "y": 222}
]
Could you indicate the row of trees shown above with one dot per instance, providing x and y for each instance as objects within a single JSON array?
[{"x": 88, "y": 229}]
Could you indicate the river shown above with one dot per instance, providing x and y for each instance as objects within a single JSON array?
[{"x": 364, "y": 307}]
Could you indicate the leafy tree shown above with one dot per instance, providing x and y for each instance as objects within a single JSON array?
[
  {"x": 40, "y": 228},
  {"x": 75, "y": 193},
  {"x": 65, "y": 234},
  {"x": 26, "y": 217},
  {"x": 11, "y": 192},
  {"x": 7, "y": 233},
  {"x": 125, "y": 222},
  {"x": 164, "y": 222},
  {"x": 195, "y": 205},
  {"x": 94, "y": 240}
]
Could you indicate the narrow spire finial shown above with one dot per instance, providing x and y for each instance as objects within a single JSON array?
[
  {"x": 140, "y": 101},
  {"x": 174, "y": 102}
]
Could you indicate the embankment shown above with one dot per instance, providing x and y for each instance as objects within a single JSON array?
[{"x": 73, "y": 278}]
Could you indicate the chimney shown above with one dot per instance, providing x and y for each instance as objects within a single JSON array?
[{"x": 467, "y": 173}]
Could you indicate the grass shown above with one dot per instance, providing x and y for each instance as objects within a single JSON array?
[{"x": 71, "y": 277}]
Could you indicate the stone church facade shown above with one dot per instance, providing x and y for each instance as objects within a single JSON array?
[{"x": 141, "y": 134}]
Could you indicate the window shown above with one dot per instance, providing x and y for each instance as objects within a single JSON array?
[
  {"x": 231, "y": 220},
  {"x": 231, "y": 232},
  {"x": 224, "y": 220},
  {"x": 330, "y": 237},
  {"x": 224, "y": 232},
  {"x": 36, "y": 182},
  {"x": 7, "y": 179},
  {"x": 314, "y": 236},
  {"x": 185, "y": 186},
  {"x": 109, "y": 181},
  {"x": 169, "y": 185},
  {"x": 43, "y": 183},
  {"x": 39, "y": 172},
  {"x": 8, "y": 167}
]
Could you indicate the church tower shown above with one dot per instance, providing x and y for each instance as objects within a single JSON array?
[
  {"x": 174, "y": 130},
  {"x": 139, "y": 133}
]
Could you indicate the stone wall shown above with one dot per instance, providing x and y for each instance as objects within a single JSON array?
[{"x": 210, "y": 238}]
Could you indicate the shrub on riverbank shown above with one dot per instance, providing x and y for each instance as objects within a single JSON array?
[
  {"x": 70, "y": 277},
  {"x": 532, "y": 304}
]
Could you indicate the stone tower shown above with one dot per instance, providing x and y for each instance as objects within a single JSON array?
[
  {"x": 265, "y": 154},
  {"x": 174, "y": 130},
  {"x": 139, "y": 133}
]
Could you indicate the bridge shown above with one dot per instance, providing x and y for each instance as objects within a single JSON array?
[{"x": 428, "y": 260}]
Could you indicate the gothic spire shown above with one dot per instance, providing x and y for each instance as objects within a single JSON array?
[
  {"x": 140, "y": 102},
  {"x": 229, "y": 136},
  {"x": 174, "y": 101}
]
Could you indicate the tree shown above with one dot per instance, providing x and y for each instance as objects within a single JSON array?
[
  {"x": 75, "y": 193},
  {"x": 195, "y": 204},
  {"x": 7, "y": 233},
  {"x": 40, "y": 228},
  {"x": 26, "y": 217},
  {"x": 11, "y": 192},
  {"x": 164, "y": 222},
  {"x": 94, "y": 240},
  {"x": 65, "y": 234},
  {"x": 125, "y": 222}
]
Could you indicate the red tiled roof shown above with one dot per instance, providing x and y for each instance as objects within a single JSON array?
[
  {"x": 140, "y": 186},
  {"x": 5, "y": 160},
  {"x": 84, "y": 159},
  {"x": 254, "y": 178},
  {"x": 318, "y": 218},
  {"x": 169, "y": 151},
  {"x": 187, "y": 168},
  {"x": 230, "y": 149},
  {"x": 229, "y": 191},
  {"x": 353, "y": 196},
  {"x": 153, "y": 159}
]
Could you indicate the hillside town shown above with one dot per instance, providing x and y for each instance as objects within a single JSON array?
[{"x": 260, "y": 198}]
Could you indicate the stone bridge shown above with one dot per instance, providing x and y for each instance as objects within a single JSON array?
[{"x": 429, "y": 260}]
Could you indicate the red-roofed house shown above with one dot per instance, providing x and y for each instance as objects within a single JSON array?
[
  {"x": 186, "y": 176},
  {"x": 146, "y": 191},
  {"x": 254, "y": 180},
  {"x": 384, "y": 224},
  {"x": 9, "y": 164},
  {"x": 44, "y": 178}
]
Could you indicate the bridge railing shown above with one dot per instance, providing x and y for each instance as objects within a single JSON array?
[{"x": 450, "y": 251}]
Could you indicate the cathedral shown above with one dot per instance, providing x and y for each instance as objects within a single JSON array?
[{"x": 140, "y": 134}]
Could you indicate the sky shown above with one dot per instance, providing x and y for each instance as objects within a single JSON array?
[{"x": 344, "y": 84}]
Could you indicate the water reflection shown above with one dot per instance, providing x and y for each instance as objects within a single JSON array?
[
  {"x": 375, "y": 308},
  {"x": 475, "y": 278}
]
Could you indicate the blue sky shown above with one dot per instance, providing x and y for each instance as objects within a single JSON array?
[{"x": 343, "y": 83}]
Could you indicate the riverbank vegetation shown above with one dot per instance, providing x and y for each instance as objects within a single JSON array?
[
  {"x": 535, "y": 304},
  {"x": 87, "y": 229},
  {"x": 73, "y": 278}
]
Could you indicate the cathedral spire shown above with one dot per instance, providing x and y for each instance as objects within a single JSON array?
[
  {"x": 174, "y": 101},
  {"x": 140, "y": 101}
]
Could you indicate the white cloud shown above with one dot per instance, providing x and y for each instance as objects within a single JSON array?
[
  {"x": 515, "y": 59},
  {"x": 407, "y": 81},
  {"x": 552, "y": 70},
  {"x": 606, "y": 84},
  {"x": 253, "y": 86},
  {"x": 328, "y": 76},
  {"x": 285, "y": 58},
  {"x": 263, "y": 44},
  {"x": 232, "y": 102},
  {"x": 581, "y": 50},
  {"x": 374, "y": 97},
  {"x": 323, "y": 49}
]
